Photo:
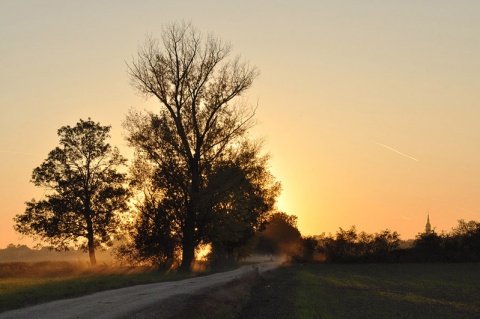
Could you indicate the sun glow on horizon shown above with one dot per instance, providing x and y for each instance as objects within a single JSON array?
[{"x": 337, "y": 78}]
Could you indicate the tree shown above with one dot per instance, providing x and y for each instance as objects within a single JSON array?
[
  {"x": 241, "y": 192},
  {"x": 281, "y": 235},
  {"x": 429, "y": 246},
  {"x": 153, "y": 236},
  {"x": 200, "y": 117},
  {"x": 467, "y": 239},
  {"x": 84, "y": 192},
  {"x": 385, "y": 241}
]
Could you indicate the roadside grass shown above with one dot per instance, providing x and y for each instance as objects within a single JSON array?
[
  {"x": 24, "y": 284},
  {"x": 367, "y": 291}
]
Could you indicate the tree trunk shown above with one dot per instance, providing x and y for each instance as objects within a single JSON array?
[
  {"x": 91, "y": 254},
  {"x": 188, "y": 242},
  {"x": 91, "y": 243}
]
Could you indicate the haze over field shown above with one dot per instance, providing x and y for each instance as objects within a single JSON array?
[{"x": 369, "y": 109}]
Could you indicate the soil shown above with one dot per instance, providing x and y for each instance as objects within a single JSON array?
[{"x": 272, "y": 297}]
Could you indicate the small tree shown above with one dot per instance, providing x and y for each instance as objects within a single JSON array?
[
  {"x": 466, "y": 236},
  {"x": 385, "y": 241},
  {"x": 83, "y": 191},
  {"x": 281, "y": 235},
  {"x": 429, "y": 246}
]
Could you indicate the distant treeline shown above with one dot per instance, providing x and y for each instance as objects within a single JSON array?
[
  {"x": 22, "y": 253},
  {"x": 462, "y": 244}
]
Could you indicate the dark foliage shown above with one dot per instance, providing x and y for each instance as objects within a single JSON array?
[
  {"x": 196, "y": 139},
  {"x": 83, "y": 191},
  {"x": 238, "y": 195},
  {"x": 349, "y": 246},
  {"x": 462, "y": 244},
  {"x": 241, "y": 192},
  {"x": 281, "y": 236}
]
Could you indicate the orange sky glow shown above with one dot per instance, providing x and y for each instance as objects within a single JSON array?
[{"x": 369, "y": 109}]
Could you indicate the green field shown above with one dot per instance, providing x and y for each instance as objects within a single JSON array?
[{"x": 368, "y": 291}]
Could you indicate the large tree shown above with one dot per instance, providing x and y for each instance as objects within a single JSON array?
[
  {"x": 84, "y": 192},
  {"x": 201, "y": 115}
]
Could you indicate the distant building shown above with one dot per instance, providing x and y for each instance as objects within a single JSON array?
[{"x": 428, "y": 227}]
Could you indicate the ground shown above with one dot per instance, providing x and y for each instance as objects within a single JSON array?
[{"x": 144, "y": 301}]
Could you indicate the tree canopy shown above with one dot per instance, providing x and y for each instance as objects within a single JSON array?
[{"x": 84, "y": 192}]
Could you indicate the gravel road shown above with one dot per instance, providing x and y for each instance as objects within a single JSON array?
[{"x": 128, "y": 302}]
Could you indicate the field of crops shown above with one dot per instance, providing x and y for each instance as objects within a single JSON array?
[{"x": 368, "y": 291}]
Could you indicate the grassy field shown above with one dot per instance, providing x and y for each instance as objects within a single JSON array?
[
  {"x": 368, "y": 291},
  {"x": 23, "y": 284}
]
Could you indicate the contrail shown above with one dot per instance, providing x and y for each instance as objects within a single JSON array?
[{"x": 392, "y": 149}]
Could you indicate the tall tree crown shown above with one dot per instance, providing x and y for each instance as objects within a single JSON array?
[{"x": 192, "y": 78}]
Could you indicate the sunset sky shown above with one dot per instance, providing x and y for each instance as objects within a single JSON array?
[{"x": 370, "y": 109}]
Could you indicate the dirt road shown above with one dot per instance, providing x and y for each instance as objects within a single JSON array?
[{"x": 127, "y": 302}]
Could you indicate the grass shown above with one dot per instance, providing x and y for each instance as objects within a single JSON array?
[
  {"x": 368, "y": 291},
  {"x": 24, "y": 284}
]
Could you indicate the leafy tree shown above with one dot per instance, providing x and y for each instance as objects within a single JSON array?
[
  {"x": 153, "y": 236},
  {"x": 201, "y": 116},
  {"x": 345, "y": 244},
  {"x": 281, "y": 235},
  {"x": 385, "y": 241},
  {"x": 309, "y": 250},
  {"x": 466, "y": 239},
  {"x": 241, "y": 192},
  {"x": 83, "y": 191}
]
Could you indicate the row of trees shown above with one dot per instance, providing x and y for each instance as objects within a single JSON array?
[
  {"x": 347, "y": 246},
  {"x": 196, "y": 177},
  {"x": 462, "y": 244}
]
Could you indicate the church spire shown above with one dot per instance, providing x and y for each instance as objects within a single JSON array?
[{"x": 428, "y": 227}]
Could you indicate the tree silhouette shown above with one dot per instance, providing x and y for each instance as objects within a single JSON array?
[
  {"x": 241, "y": 192},
  {"x": 83, "y": 191},
  {"x": 348, "y": 245},
  {"x": 153, "y": 236},
  {"x": 281, "y": 235},
  {"x": 200, "y": 117}
]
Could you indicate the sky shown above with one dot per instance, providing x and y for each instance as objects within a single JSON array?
[{"x": 369, "y": 109}]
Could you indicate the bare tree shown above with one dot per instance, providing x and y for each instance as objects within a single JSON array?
[{"x": 202, "y": 113}]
